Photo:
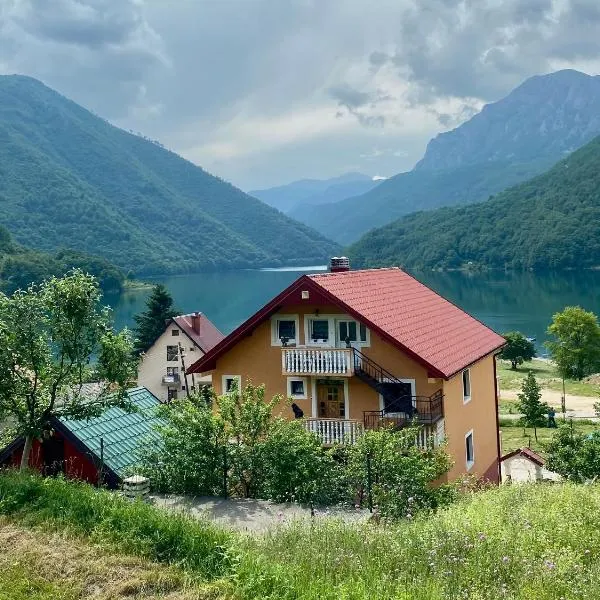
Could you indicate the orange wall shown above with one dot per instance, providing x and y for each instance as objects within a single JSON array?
[{"x": 479, "y": 414}]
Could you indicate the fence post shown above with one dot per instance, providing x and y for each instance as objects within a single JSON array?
[{"x": 369, "y": 483}]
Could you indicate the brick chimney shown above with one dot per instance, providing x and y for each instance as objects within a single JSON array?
[
  {"x": 337, "y": 264},
  {"x": 196, "y": 322}
]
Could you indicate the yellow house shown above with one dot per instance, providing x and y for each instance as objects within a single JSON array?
[{"x": 358, "y": 350}]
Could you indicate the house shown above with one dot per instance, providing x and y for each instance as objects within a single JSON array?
[
  {"x": 185, "y": 339},
  {"x": 525, "y": 465},
  {"x": 104, "y": 447},
  {"x": 358, "y": 350}
]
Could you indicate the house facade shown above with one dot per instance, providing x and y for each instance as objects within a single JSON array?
[
  {"x": 357, "y": 350},
  {"x": 162, "y": 368}
]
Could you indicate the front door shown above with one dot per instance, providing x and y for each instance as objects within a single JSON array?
[
  {"x": 330, "y": 399},
  {"x": 53, "y": 449}
]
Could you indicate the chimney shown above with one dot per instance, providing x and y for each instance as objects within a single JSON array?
[
  {"x": 338, "y": 264},
  {"x": 196, "y": 322}
]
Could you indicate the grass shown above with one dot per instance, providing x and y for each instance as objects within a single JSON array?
[
  {"x": 547, "y": 376},
  {"x": 514, "y": 436},
  {"x": 534, "y": 542}
]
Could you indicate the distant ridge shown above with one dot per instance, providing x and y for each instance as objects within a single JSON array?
[{"x": 70, "y": 179}]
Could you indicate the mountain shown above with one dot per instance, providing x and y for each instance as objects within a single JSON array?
[
  {"x": 293, "y": 197},
  {"x": 70, "y": 179},
  {"x": 508, "y": 142},
  {"x": 21, "y": 266},
  {"x": 549, "y": 222}
]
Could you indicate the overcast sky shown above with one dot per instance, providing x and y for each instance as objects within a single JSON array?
[{"x": 261, "y": 92}]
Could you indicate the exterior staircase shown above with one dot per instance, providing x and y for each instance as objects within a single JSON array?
[{"x": 401, "y": 408}]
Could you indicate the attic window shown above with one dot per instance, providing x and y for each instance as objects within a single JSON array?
[
  {"x": 175, "y": 332},
  {"x": 305, "y": 294}
]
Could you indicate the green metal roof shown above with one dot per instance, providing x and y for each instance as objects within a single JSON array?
[{"x": 123, "y": 433}]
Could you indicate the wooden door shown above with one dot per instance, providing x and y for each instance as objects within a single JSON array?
[{"x": 331, "y": 401}]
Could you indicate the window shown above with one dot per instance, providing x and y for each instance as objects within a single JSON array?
[
  {"x": 319, "y": 330},
  {"x": 173, "y": 371},
  {"x": 466, "y": 381},
  {"x": 469, "y": 450},
  {"x": 296, "y": 388},
  {"x": 284, "y": 327},
  {"x": 172, "y": 353},
  {"x": 171, "y": 394},
  {"x": 231, "y": 383},
  {"x": 352, "y": 331},
  {"x": 175, "y": 332}
]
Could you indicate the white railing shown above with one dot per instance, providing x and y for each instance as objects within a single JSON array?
[
  {"x": 335, "y": 431},
  {"x": 317, "y": 361}
]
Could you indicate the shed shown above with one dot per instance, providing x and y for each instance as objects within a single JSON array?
[
  {"x": 525, "y": 465},
  {"x": 104, "y": 447}
]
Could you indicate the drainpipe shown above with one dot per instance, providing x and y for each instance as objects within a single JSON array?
[{"x": 498, "y": 447}]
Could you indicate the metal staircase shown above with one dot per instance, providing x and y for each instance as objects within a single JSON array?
[{"x": 400, "y": 408}]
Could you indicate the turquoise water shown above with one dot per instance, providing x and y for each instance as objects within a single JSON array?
[{"x": 503, "y": 301}]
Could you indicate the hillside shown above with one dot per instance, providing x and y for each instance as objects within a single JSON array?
[
  {"x": 20, "y": 266},
  {"x": 293, "y": 197},
  {"x": 549, "y": 222},
  {"x": 70, "y": 179},
  {"x": 508, "y": 142}
]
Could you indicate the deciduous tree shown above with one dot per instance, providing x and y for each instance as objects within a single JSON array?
[
  {"x": 534, "y": 411},
  {"x": 49, "y": 335},
  {"x": 576, "y": 345},
  {"x": 518, "y": 349}
]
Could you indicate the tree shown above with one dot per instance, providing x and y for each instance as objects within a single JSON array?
[
  {"x": 534, "y": 411},
  {"x": 518, "y": 349},
  {"x": 576, "y": 345},
  {"x": 151, "y": 323},
  {"x": 573, "y": 455},
  {"x": 49, "y": 334}
]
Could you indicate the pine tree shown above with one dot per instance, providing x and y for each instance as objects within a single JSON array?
[
  {"x": 534, "y": 411},
  {"x": 151, "y": 323}
]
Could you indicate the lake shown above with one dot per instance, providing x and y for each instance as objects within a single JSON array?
[{"x": 503, "y": 301}]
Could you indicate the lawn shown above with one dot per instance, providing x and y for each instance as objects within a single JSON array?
[
  {"x": 546, "y": 375},
  {"x": 529, "y": 542},
  {"x": 513, "y": 436}
]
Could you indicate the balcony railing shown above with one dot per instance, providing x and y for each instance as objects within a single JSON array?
[
  {"x": 171, "y": 379},
  {"x": 317, "y": 361},
  {"x": 335, "y": 431},
  {"x": 424, "y": 410}
]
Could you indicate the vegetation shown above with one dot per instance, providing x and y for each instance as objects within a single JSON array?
[
  {"x": 150, "y": 324},
  {"x": 20, "y": 267},
  {"x": 575, "y": 348},
  {"x": 535, "y": 413},
  {"x": 574, "y": 455},
  {"x": 518, "y": 349},
  {"x": 243, "y": 449},
  {"x": 48, "y": 335},
  {"x": 549, "y": 222},
  {"x": 68, "y": 176},
  {"x": 518, "y": 542}
]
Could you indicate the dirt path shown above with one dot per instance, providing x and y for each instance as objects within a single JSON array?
[{"x": 577, "y": 406}]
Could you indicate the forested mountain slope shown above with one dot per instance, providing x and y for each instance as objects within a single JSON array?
[
  {"x": 508, "y": 142},
  {"x": 70, "y": 179},
  {"x": 549, "y": 222}
]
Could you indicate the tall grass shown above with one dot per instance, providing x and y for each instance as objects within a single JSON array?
[
  {"x": 132, "y": 527},
  {"x": 531, "y": 542}
]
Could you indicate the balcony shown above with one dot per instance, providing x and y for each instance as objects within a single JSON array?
[
  {"x": 335, "y": 431},
  {"x": 422, "y": 410},
  {"x": 317, "y": 361},
  {"x": 171, "y": 379}
]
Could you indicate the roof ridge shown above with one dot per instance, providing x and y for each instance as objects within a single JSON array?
[{"x": 358, "y": 271}]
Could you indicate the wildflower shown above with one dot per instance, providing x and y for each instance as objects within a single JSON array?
[
  {"x": 482, "y": 536},
  {"x": 410, "y": 499},
  {"x": 586, "y": 551},
  {"x": 505, "y": 559},
  {"x": 549, "y": 564}
]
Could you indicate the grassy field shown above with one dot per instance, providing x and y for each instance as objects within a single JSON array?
[
  {"x": 513, "y": 436},
  {"x": 547, "y": 377},
  {"x": 519, "y": 542}
]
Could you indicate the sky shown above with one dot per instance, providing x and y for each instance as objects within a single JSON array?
[{"x": 263, "y": 92}]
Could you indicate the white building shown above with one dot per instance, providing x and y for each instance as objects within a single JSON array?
[
  {"x": 525, "y": 465},
  {"x": 162, "y": 368}
]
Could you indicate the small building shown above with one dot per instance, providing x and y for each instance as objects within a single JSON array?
[
  {"x": 524, "y": 465},
  {"x": 185, "y": 339},
  {"x": 103, "y": 448},
  {"x": 358, "y": 350}
]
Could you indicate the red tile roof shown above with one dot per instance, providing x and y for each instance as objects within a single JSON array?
[
  {"x": 417, "y": 318},
  {"x": 527, "y": 453},
  {"x": 406, "y": 313},
  {"x": 208, "y": 335}
]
